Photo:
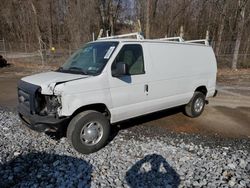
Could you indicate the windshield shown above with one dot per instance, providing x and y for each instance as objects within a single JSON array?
[{"x": 91, "y": 59}]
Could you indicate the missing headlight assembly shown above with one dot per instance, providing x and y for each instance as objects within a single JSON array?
[{"x": 47, "y": 105}]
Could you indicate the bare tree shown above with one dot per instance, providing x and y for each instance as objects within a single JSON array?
[
  {"x": 109, "y": 11},
  {"x": 242, "y": 7},
  {"x": 221, "y": 7},
  {"x": 149, "y": 3},
  {"x": 65, "y": 23}
]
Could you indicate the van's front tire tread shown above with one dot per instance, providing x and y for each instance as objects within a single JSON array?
[{"x": 75, "y": 126}]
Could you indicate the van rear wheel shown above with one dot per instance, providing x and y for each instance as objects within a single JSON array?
[
  {"x": 196, "y": 105},
  {"x": 88, "y": 131}
]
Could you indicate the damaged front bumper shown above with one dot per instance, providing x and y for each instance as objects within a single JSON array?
[
  {"x": 41, "y": 123},
  {"x": 32, "y": 113}
]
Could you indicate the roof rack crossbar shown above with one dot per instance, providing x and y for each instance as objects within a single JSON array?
[
  {"x": 205, "y": 41},
  {"x": 138, "y": 35},
  {"x": 179, "y": 39}
]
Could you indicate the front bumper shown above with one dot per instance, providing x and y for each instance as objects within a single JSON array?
[
  {"x": 27, "y": 110},
  {"x": 41, "y": 123}
]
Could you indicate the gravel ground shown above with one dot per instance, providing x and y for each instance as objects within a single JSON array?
[{"x": 136, "y": 157}]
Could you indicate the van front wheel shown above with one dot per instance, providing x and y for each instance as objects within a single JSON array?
[
  {"x": 88, "y": 131},
  {"x": 196, "y": 105}
]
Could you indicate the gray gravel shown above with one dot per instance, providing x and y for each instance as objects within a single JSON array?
[{"x": 134, "y": 158}]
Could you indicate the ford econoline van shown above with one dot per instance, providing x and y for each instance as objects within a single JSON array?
[{"x": 114, "y": 79}]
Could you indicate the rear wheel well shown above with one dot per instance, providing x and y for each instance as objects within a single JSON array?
[{"x": 202, "y": 89}]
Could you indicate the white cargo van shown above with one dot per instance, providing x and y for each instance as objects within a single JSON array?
[{"x": 114, "y": 79}]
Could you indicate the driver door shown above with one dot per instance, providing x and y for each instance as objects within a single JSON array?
[{"x": 129, "y": 92}]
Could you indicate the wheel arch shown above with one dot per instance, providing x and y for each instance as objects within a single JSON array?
[
  {"x": 202, "y": 89},
  {"x": 99, "y": 107}
]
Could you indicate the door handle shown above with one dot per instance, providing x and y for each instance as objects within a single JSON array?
[{"x": 146, "y": 87}]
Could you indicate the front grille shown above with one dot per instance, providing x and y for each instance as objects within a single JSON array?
[
  {"x": 27, "y": 93},
  {"x": 24, "y": 98}
]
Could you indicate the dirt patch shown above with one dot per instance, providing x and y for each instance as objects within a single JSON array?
[
  {"x": 227, "y": 77},
  {"x": 215, "y": 120}
]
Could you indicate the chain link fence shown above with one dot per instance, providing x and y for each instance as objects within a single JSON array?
[
  {"x": 37, "y": 53},
  {"x": 225, "y": 60},
  {"x": 43, "y": 54},
  {"x": 226, "y": 52}
]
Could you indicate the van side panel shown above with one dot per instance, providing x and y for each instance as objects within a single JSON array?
[
  {"x": 177, "y": 70},
  {"x": 173, "y": 72}
]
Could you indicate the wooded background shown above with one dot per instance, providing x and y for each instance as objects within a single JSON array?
[{"x": 66, "y": 24}]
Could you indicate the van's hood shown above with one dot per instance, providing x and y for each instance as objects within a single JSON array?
[{"x": 48, "y": 80}]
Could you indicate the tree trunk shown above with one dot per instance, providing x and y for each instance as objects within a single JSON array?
[
  {"x": 221, "y": 29},
  {"x": 38, "y": 34},
  {"x": 50, "y": 25},
  {"x": 239, "y": 34},
  {"x": 218, "y": 45},
  {"x": 246, "y": 52},
  {"x": 111, "y": 18},
  {"x": 148, "y": 19}
]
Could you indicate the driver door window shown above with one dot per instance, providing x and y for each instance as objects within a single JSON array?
[{"x": 132, "y": 56}]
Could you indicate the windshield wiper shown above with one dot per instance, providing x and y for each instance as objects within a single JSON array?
[{"x": 78, "y": 69}]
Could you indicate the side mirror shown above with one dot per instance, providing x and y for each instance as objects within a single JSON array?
[{"x": 121, "y": 69}]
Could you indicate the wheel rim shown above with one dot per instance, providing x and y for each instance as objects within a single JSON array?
[
  {"x": 91, "y": 133},
  {"x": 198, "y": 105}
]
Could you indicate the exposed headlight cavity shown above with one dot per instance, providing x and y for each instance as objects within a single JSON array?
[{"x": 48, "y": 105}]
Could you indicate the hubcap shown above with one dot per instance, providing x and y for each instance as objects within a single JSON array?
[
  {"x": 91, "y": 133},
  {"x": 198, "y": 105}
]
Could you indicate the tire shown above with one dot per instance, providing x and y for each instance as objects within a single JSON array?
[
  {"x": 193, "y": 109},
  {"x": 88, "y": 131}
]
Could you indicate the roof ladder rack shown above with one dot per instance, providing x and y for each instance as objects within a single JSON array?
[{"x": 138, "y": 36}]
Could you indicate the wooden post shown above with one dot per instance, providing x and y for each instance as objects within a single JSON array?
[
  {"x": 11, "y": 54},
  {"x": 40, "y": 50},
  {"x": 25, "y": 47}
]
